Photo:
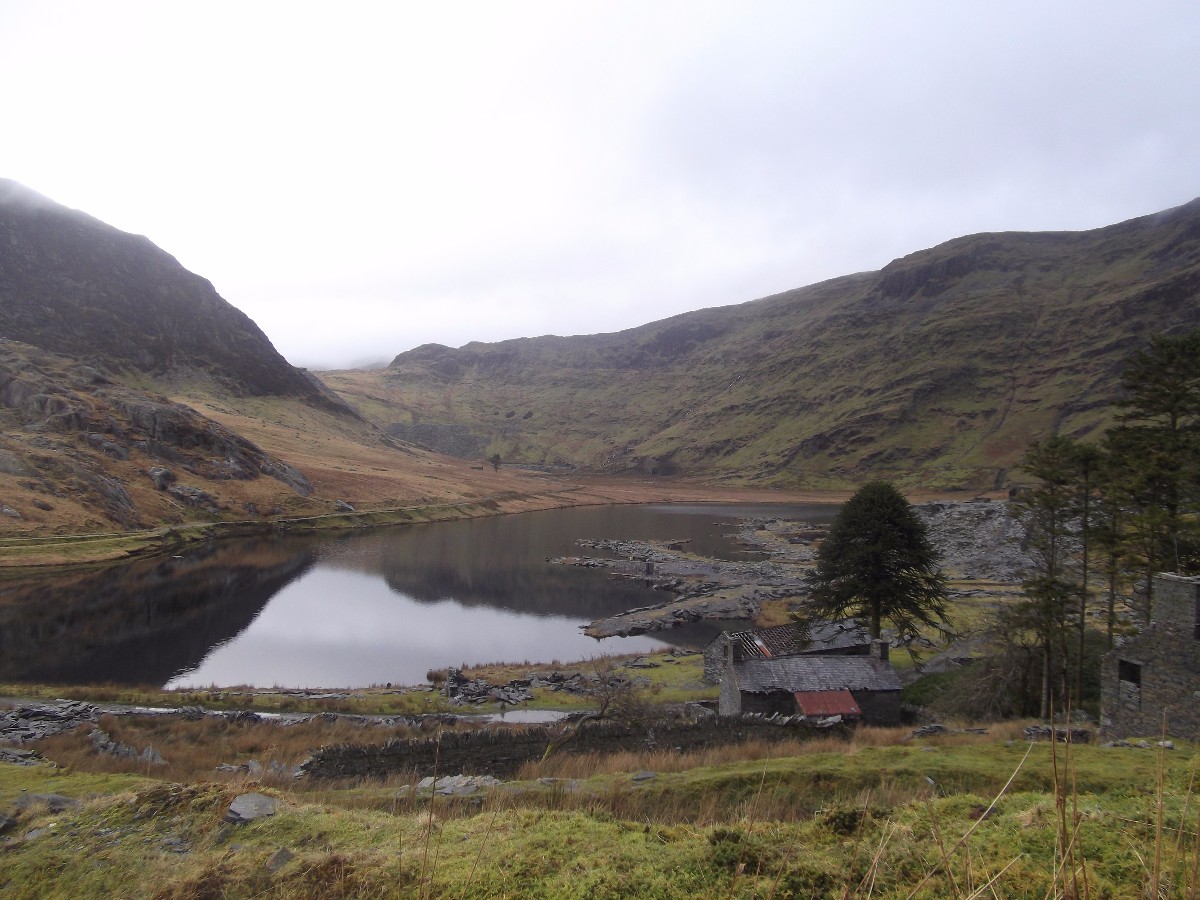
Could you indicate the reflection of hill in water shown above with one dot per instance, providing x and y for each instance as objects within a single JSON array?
[
  {"x": 489, "y": 563},
  {"x": 146, "y": 621},
  {"x": 141, "y": 622}
]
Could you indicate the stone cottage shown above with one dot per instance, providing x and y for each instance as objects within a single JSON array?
[
  {"x": 858, "y": 688},
  {"x": 1157, "y": 672},
  {"x": 846, "y": 637}
]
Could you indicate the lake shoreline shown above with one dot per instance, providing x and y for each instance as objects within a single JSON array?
[{"x": 23, "y": 554}]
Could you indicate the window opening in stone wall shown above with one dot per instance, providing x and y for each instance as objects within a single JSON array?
[
  {"x": 1129, "y": 671},
  {"x": 1129, "y": 687}
]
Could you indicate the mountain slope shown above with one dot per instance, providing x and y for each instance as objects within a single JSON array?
[
  {"x": 133, "y": 395},
  {"x": 73, "y": 285},
  {"x": 937, "y": 370}
]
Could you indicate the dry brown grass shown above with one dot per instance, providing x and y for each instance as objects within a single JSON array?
[
  {"x": 193, "y": 749},
  {"x": 589, "y": 765}
]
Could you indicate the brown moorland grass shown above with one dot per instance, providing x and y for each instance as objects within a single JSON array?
[
  {"x": 194, "y": 749},
  {"x": 878, "y": 816}
]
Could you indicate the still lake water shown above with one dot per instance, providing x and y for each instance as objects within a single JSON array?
[{"x": 366, "y": 608}]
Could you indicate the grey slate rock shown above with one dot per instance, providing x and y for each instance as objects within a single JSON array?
[
  {"x": 162, "y": 477},
  {"x": 249, "y": 807},
  {"x": 19, "y": 757}
]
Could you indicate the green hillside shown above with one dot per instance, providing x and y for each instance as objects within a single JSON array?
[{"x": 936, "y": 371}]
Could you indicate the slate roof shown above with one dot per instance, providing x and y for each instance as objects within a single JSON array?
[
  {"x": 815, "y": 673},
  {"x": 796, "y": 638}
]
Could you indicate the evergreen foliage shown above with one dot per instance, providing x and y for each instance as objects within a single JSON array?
[
  {"x": 1135, "y": 499},
  {"x": 877, "y": 563},
  {"x": 1156, "y": 450}
]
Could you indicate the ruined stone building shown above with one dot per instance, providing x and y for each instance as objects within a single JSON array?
[
  {"x": 846, "y": 637},
  {"x": 858, "y": 688},
  {"x": 1157, "y": 672}
]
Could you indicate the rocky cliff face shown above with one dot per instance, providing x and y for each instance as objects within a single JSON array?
[
  {"x": 72, "y": 433},
  {"x": 936, "y": 371}
]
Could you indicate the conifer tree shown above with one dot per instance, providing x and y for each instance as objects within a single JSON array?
[
  {"x": 877, "y": 563},
  {"x": 1049, "y": 511},
  {"x": 1155, "y": 454}
]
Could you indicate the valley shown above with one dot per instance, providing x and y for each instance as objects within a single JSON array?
[
  {"x": 145, "y": 421},
  {"x": 935, "y": 372}
]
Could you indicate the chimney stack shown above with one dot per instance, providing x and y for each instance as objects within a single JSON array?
[{"x": 879, "y": 649}]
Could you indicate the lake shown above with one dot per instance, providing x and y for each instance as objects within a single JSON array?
[{"x": 374, "y": 607}]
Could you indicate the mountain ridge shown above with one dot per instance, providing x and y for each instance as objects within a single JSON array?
[{"x": 937, "y": 369}]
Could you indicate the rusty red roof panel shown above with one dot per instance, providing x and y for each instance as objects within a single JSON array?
[{"x": 827, "y": 703}]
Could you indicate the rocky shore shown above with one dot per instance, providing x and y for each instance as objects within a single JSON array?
[{"x": 979, "y": 540}]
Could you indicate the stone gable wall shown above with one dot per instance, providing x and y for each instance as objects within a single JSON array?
[
  {"x": 1167, "y": 658},
  {"x": 714, "y": 658}
]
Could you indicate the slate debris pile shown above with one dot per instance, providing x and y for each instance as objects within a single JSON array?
[
  {"x": 460, "y": 689},
  {"x": 106, "y": 746},
  {"x": 28, "y": 722}
]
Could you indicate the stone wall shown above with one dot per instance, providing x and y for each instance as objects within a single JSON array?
[
  {"x": 879, "y": 707},
  {"x": 1158, "y": 672},
  {"x": 716, "y": 655},
  {"x": 502, "y": 751}
]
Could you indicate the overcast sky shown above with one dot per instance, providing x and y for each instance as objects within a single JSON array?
[{"x": 362, "y": 178}]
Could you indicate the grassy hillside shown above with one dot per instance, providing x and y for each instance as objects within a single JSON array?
[{"x": 936, "y": 371}]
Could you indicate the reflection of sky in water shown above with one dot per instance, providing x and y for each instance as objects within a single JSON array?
[{"x": 338, "y": 627}]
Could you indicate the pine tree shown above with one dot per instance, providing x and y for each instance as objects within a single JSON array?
[
  {"x": 1049, "y": 512},
  {"x": 1154, "y": 456},
  {"x": 877, "y": 563}
]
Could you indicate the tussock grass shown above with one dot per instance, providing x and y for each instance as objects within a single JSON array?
[
  {"x": 194, "y": 749},
  {"x": 874, "y": 816},
  {"x": 589, "y": 765}
]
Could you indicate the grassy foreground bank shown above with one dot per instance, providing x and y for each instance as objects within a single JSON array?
[{"x": 878, "y": 815}]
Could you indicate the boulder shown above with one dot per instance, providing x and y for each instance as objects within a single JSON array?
[
  {"x": 195, "y": 497},
  {"x": 11, "y": 464},
  {"x": 247, "y": 808},
  {"x": 162, "y": 477}
]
